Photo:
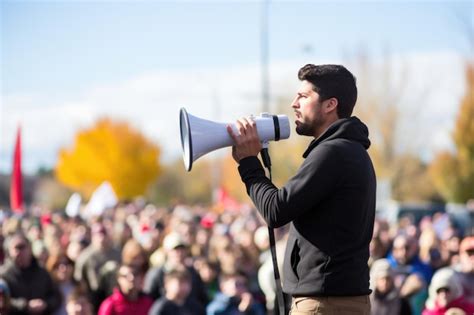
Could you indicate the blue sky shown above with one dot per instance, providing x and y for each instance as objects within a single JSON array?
[{"x": 59, "y": 53}]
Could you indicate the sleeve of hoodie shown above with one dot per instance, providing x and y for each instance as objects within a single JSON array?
[{"x": 316, "y": 178}]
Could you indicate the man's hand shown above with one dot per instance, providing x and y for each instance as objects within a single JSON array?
[
  {"x": 36, "y": 306},
  {"x": 246, "y": 301},
  {"x": 413, "y": 284},
  {"x": 247, "y": 143}
]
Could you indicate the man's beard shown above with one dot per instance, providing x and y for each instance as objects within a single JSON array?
[
  {"x": 304, "y": 129},
  {"x": 309, "y": 128}
]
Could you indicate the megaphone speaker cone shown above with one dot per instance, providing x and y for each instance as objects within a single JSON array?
[{"x": 200, "y": 136}]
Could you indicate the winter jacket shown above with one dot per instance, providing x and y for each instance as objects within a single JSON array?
[
  {"x": 117, "y": 304},
  {"x": 154, "y": 284},
  {"x": 26, "y": 284},
  {"x": 389, "y": 304},
  {"x": 446, "y": 278},
  {"x": 330, "y": 203},
  {"x": 163, "y": 306},
  {"x": 225, "y": 305},
  {"x": 459, "y": 303}
]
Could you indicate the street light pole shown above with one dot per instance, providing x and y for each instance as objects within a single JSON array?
[{"x": 264, "y": 57}]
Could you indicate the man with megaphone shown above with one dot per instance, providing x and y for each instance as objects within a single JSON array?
[{"x": 329, "y": 202}]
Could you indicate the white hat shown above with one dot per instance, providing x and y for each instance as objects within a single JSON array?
[
  {"x": 173, "y": 240},
  {"x": 381, "y": 268},
  {"x": 443, "y": 278}
]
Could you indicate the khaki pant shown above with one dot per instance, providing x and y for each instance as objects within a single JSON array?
[{"x": 350, "y": 305}]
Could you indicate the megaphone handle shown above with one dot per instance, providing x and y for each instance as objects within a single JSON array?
[{"x": 266, "y": 158}]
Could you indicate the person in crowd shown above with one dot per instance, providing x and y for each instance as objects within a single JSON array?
[
  {"x": 220, "y": 240},
  {"x": 4, "y": 298},
  {"x": 154, "y": 246},
  {"x": 203, "y": 237},
  {"x": 127, "y": 298},
  {"x": 382, "y": 231},
  {"x": 230, "y": 258},
  {"x": 407, "y": 226},
  {"x": 77, "y": 303},
  {"x": 266, "y": 275},
  {"x": 40, "y": 252},
  {"x": 329, "y": 202},
  {"x": 34, "y": 231},
  {"x": 78, "y": 239},
  {"x": 209, "y": 273},
  {"x": 176, "y": 299},
  {"x": 133, "y": 255},
  {"x": 412, "y": 276},
  {"x": 234, "y": 297},
  {"x": 61, "y": 269},
  {"x": 177, "y": 255},
  {"x": 92, "y": 262},
  {"x": 450, "y": 244},
  {"x": 466, "y": 267},
  {"x": 377, "y": 250},
  {"x": 385, "y": 299},
  {"x": 430, "y": 248},
  {"x": 32, "y": 290},
  {"x": 11, "y": 226},
  {"x": 53, "y": 237},
  {"x": 121, "y": 233},
  {"x": 262, "y": 241},
  {"x": 445, "y": 293}
]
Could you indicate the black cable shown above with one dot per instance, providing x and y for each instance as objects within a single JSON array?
[
  {"x": 276, "y": 273},
  {"x": 267, "y": 162}
]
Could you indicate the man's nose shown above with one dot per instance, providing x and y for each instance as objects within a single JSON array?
[{"x": 295, "y": 103}]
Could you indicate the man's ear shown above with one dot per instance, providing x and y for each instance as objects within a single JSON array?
[{"x": 331, "y": 105}]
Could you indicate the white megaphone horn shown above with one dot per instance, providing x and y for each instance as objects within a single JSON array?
[{"x": 200, "y": 136}]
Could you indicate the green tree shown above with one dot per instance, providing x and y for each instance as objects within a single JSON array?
[
  {"x": 109, "y": 151},
  {"x": 453, "y": 173}
]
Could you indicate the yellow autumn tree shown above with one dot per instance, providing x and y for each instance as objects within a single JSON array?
[
  {"x": 453, "y": 173},
  {"x": 109, "y": 151}
]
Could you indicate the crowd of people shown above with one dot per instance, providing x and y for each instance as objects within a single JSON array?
[{"x": 141, "y": 259}]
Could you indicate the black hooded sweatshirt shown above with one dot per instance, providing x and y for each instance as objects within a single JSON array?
[{"x": 330, "y": 203}]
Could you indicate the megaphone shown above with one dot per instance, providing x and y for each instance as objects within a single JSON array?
[{"x": 200, "y": 136}]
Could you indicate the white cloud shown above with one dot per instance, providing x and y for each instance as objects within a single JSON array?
[{"x": 151, "y": 103}]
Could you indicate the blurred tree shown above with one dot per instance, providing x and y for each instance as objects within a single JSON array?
[
  {"x": 411, "y": 180},
  {"x": 378, "y": 107},
  {"x": 383, "y": 90},
  {"x": 51, "y": 194},
  {"x": 109, "y": 151},
  {"x": 176, "y": 185},
  {"x": 453, "y": 173},
  {"x": 230, "y": 179}
]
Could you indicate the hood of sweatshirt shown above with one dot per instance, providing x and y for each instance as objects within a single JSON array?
[{"x": 345, "y": 128}]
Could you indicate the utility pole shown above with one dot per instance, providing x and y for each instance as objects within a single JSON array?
[{"x": 264, "y": 57}]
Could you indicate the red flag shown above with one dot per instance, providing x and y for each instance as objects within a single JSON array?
[
  {"x": 225, "y": 201},
  {"x": 16, "y": 187}
]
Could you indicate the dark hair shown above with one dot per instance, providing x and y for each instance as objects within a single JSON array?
[
  {"x": 332, "y": 81},
  {"x": 55, "y": 260},
  {"x": 229, "y": 275},
  {"x": 179, "y": 274},
  {"x": 11, "y": 237}
]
